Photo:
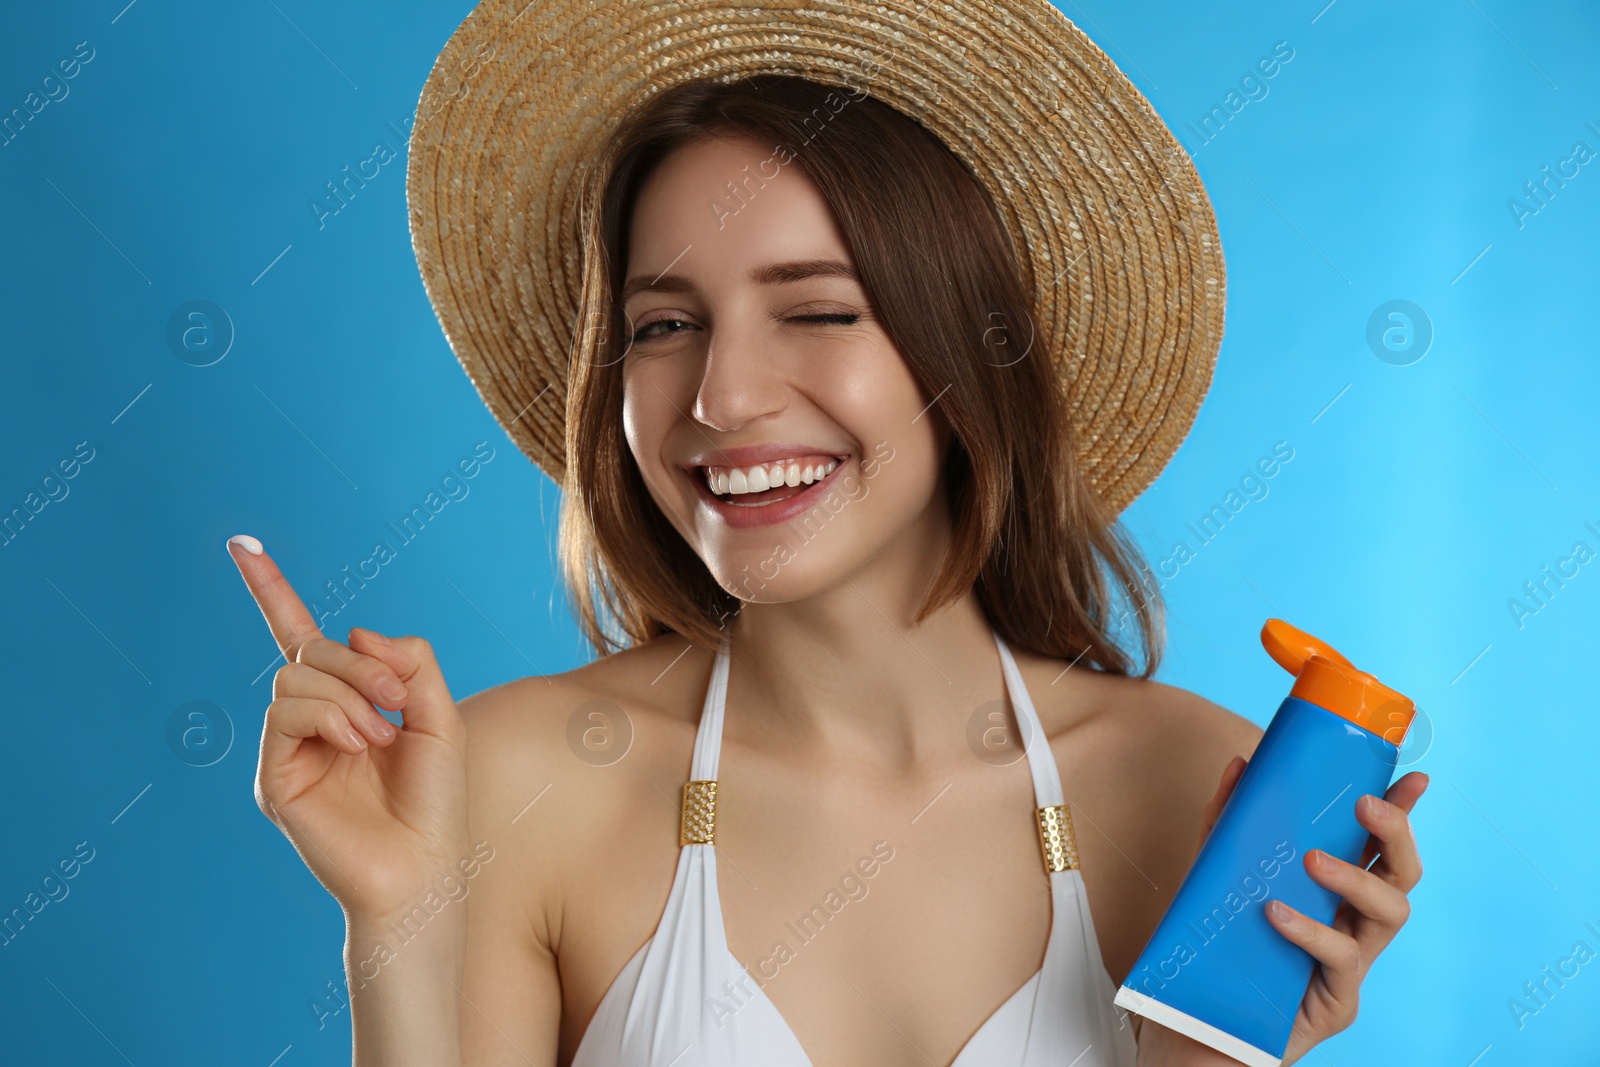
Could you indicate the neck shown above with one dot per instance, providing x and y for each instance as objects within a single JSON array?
[{"x": 846, "y": 674}]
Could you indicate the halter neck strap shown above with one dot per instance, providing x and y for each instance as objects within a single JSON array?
[
  {"x": 1041, "y": 762},
  {"x": 708, "y": 735}
]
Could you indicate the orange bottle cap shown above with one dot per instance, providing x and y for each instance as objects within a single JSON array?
[{"x": 1325, "y": 678}]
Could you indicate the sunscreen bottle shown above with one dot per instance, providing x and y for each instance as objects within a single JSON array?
[{"x": 1215, "y": 969}]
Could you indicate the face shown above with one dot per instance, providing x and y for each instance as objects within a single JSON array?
[{"x": 754, "y": 360}]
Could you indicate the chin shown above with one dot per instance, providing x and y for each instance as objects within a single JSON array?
[
  {"x": 864, "y": 515},
  {"x": 790, "y": 569}
]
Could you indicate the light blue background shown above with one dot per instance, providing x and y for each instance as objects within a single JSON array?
[{"x": 1419, "y": 500}]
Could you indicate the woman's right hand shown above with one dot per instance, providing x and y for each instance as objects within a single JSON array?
[{"x": 378, "y": 814}]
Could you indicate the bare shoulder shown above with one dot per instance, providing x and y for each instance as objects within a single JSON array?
[
  {"x": 554, "y": 730},
  {"x": 569, "y": 784},
  {"x": 557, "y": 763},
  {"x": 1139, "y": 762},
  {"x": 1174, "y": 729},
  {"x": 1171, "y": 734}
]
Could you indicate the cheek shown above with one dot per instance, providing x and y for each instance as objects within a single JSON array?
[
  {"x": 647, "y": 407},
  {"x": 879, "y": 404},
  {"x": 647, "y": 418},
  {"x": 882, "y": 401},
  {"x": 874, "y": 394},
  {"x": 635, "y": 420}
]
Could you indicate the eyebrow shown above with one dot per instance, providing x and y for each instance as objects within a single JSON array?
[{"x": 770, "y": 274}]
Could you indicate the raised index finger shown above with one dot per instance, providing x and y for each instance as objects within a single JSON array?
[{"x": 291, "y": 624}]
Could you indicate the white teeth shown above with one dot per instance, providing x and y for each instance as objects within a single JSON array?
[{"x": 735, "y": 480}]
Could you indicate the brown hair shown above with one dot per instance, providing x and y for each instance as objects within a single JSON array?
[{"x": 1027, "y": 528}]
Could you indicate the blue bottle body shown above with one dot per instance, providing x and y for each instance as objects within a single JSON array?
[{"x": 1214, "y": 957}]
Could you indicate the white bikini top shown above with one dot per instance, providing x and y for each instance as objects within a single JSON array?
[{"x": 661, "y": 1010}]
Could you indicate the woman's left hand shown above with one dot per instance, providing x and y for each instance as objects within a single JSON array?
[{"x": 1373, "y": 910}]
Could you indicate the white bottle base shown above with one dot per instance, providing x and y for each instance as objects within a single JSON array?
[{"x": 1189, "y": 1026}]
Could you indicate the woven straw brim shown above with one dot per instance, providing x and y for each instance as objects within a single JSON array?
[{"x": 1111, "y": 225}]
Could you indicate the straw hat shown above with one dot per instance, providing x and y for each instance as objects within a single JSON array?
[{"x": 1110, "y": 222}]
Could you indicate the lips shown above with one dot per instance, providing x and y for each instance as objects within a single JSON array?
[{"x": 769, "y": 506}]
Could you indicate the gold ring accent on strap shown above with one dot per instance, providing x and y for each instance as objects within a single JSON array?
[
  {"x": 1056, "y": 840},
  {"x": 699, "y": 826}
]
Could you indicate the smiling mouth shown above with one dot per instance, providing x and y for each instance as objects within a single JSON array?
[{"x": 724, "y": 478}]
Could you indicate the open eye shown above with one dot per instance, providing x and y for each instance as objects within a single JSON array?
[{"x": 643, "y": 333}]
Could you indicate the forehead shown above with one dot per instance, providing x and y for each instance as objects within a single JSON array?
[{"x": 721, "y": 204}]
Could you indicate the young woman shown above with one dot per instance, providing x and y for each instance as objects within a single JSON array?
[{"x": 864, "y": 618}]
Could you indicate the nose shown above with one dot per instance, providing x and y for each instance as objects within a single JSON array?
[{"x": 740, "y": 381}]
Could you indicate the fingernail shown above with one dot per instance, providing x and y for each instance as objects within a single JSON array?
[
  {"x": 391, "y": 690},
  {"x": 384, "y": 727},
  {"x": 1280, "y": 910},
  {"x": 375, "y": 635},
  {"x": 360, "y": 742},
  {"x": 1373, "y": 804},
  {"x": 246, "y": 542}
]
